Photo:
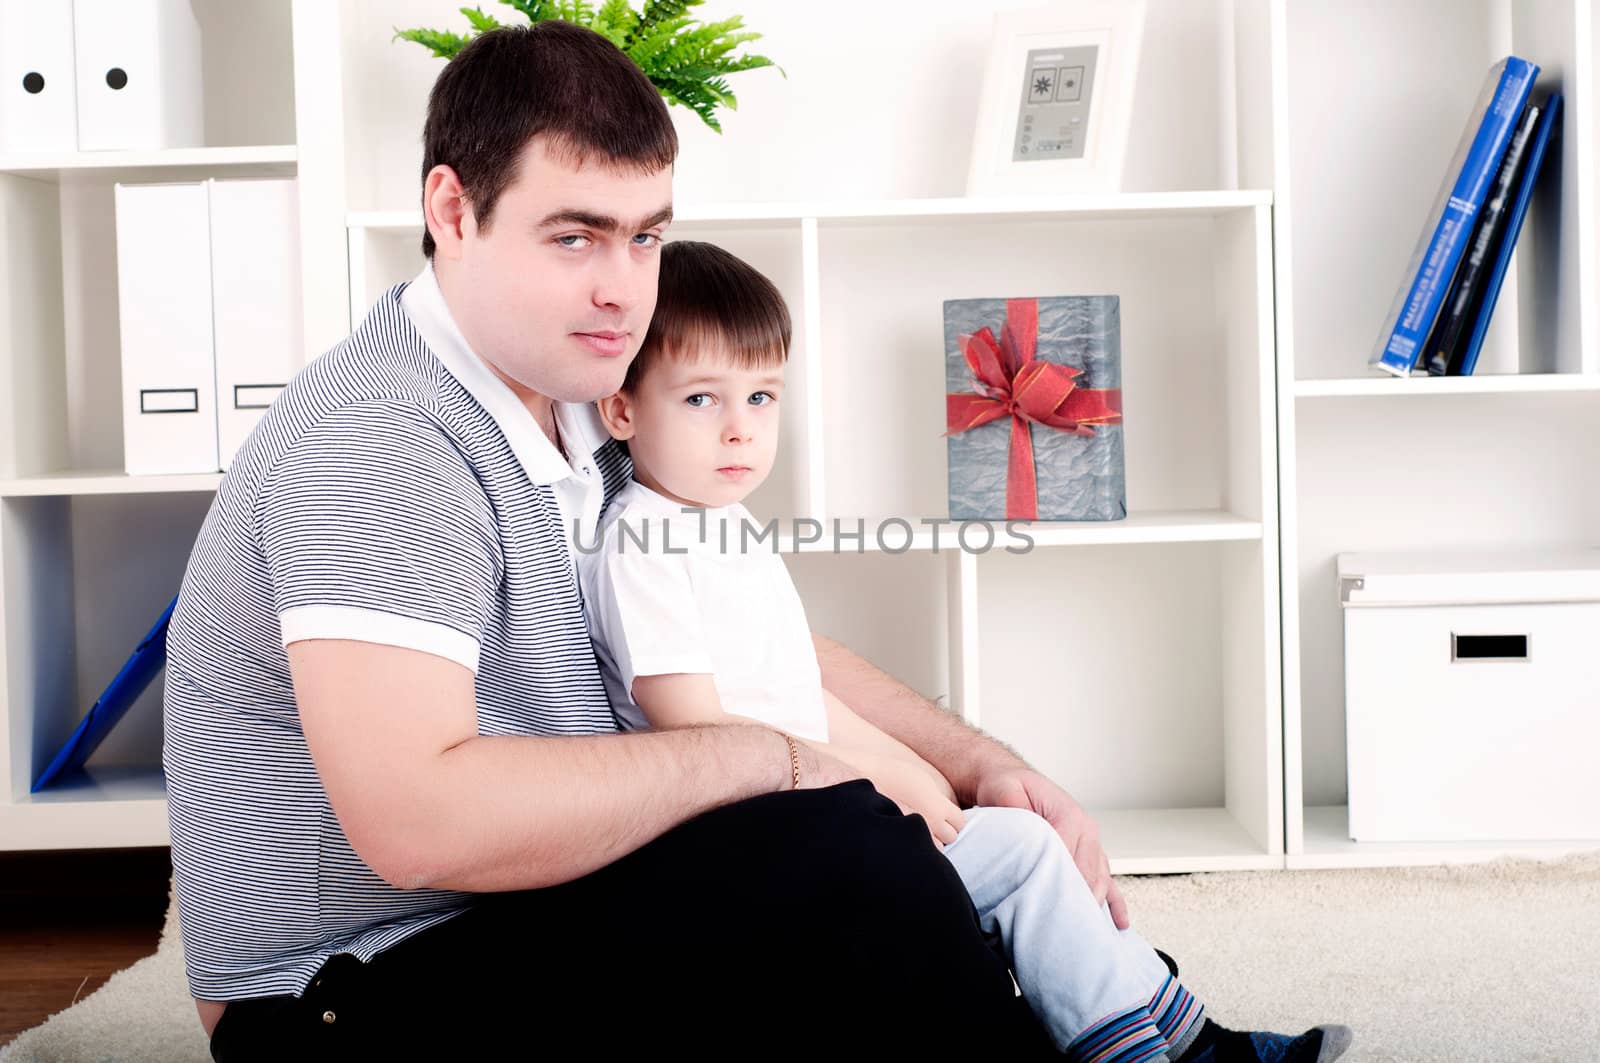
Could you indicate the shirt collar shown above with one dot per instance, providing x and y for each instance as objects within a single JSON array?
[
  {"x": 578, "y": 422},
  {"x": 648, "y": 500}
]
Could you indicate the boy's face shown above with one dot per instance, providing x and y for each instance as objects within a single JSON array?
[
  {"x": 703, "y": 432},
  {"x": 557, "y": 294}
]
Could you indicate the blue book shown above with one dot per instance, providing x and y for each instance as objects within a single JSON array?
[
  {"x": 1483, "y": 144},
  {"x": 147, "y": 659},
  {"x": 1542, "y": 133},
  {"x": 1466, "y": 291}
]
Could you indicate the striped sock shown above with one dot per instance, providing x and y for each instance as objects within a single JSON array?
[
  {"x": 1177, "y": 1014},
  {"x": 1125, "y": 1037}
]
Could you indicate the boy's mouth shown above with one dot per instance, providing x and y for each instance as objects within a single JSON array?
[{"x": 733, "y": 472}]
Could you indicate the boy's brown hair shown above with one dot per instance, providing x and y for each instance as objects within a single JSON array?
[
  {"x": 708, "y": 299},
  {"x": 554, "y": 79}
]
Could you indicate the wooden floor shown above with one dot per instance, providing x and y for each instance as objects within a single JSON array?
[{"x": 68, "y": 921}]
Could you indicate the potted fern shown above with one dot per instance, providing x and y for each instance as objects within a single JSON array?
[{"x": 686, "y": 61}]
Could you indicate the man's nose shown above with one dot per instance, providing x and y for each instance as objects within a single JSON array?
[{"x": 619, "y": 282}]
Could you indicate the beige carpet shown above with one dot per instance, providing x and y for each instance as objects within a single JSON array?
[{"x": 1490, "y": 962}]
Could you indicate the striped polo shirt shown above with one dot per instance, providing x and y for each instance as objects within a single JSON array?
[{"x": 397, "y": 492}]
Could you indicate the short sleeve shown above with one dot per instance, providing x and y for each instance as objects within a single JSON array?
[
  {"x": 376, "y": 528},
  {"x": 643, "y": 614}
]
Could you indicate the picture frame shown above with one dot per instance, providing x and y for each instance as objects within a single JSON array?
[{"x": 1057, "y": 99}]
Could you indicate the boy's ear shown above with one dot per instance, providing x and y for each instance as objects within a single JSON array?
[{"x": 616, "y": 411}]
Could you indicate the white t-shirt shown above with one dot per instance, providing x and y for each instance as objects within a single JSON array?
[{"x": 669, "y": 588}]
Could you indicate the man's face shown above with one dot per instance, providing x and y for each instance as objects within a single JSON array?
[
  {"x": 702, "y": 432},
  {"x": 557, "y": 294}
]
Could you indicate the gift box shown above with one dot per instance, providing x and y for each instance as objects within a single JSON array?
[{"x": 1033, "y": 408}]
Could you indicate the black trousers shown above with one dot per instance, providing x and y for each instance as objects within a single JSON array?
[{"x": 814, "y": 924}]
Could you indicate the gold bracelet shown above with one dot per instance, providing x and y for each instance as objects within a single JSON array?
[{"x": 794, "y": 760}]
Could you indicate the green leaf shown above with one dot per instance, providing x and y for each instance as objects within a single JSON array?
[
  {"x": 645, "y": 49},
  {"x": 577, "y": 12},
  {"x": 536, "y": 10},
  {"x": 687, "y": 62},
  {"x": 657, "y": 12},
  {"x": 480, "y": 22},
  {"x": 615, "y": 21},
  {"x": 443, "y": 44}
]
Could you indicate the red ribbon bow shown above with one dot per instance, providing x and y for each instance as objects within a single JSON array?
[{"x": 1008, "y": 381}]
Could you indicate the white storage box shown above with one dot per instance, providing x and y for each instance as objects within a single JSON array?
[
  {"x": 138, "y": 75},
  {"x": 38, "y": 82},
  {"x": 169, "y": 375},
  {"x": 1472, "y": 695},
  {"x": 255, "y": 301}
]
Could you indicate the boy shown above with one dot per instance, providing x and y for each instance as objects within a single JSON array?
[{"x": 694, "y": 620}]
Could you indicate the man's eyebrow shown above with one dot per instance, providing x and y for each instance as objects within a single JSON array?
[{"x": 603, "y": 222}]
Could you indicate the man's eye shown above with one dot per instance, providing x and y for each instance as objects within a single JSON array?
[
  {"x": 697, "y": 395},
  {"x": 651, "y": 239},
  {"x": 562, "y": 240}
]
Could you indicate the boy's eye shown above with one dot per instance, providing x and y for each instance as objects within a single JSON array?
[
  {"x": 769, "y": 396},
  {"x": 697, "y": 395}
]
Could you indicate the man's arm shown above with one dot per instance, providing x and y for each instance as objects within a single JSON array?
[
  {"x": 846, "y": 729},
  {"x": 962, "y": 754},
  {"x": 689, "y": 699},
  {"x": 427, "y": 802},
  {"x": 982, "y": 770}
]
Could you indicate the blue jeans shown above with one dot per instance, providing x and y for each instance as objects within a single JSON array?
[{"x": 1073, "y": 965}]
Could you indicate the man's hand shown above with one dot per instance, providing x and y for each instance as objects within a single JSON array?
[{"x": 1018, "y": 787}]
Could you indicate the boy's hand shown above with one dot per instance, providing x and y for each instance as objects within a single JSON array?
[
  {"x": 1019, "y": 787},
  {"x": 918, "y": 792}
]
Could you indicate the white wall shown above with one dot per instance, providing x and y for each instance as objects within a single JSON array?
[{"x": 879, "y": 101}]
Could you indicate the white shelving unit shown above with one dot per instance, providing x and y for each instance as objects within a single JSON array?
[
  {"x": 88, "y": 555},
  {"x": 166, "y": 164},
  {"x": 1186, "y": 768},
  {"x": 1177, "y": 671},
  {"x": 1502, "y": 458},
  {"x": 1170, "y": 729}
]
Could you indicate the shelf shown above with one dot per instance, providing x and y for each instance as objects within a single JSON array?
[
  {"x": 1126, "y": 205},
  {"x": 1499, "y": 384},
  {"x": 1182, "y": 526},
  {"x": 106, "y": 483},
  {"x": 1171, "y": 841},
  {"x": 171, "y": 163},
  {"x": 127, "y": 807},
  {"x": 106, "y": 808},
  {"x": 1328, "y": 845}
]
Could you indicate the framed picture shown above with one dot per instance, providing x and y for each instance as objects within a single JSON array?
[{"x": 1057, "y": 99}]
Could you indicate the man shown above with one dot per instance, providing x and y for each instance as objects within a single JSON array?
[{"x": 402, "y": 821}]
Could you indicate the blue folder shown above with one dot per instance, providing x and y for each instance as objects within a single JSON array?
[
  {"x": 1508, "y": 240},
  {"x": 147, "y": 659}
]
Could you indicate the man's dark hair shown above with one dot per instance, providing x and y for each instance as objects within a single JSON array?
[
  {"x": 711, "y": 301},
  {"x": 554, "y": 79}
]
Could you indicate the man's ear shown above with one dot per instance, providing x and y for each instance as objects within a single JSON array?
[
  {"x": 616, "y": 411},
  {"x": 445, "y": 210}
]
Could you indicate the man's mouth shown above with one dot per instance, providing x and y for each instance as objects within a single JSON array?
[{"x": 607, "y": 343}]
